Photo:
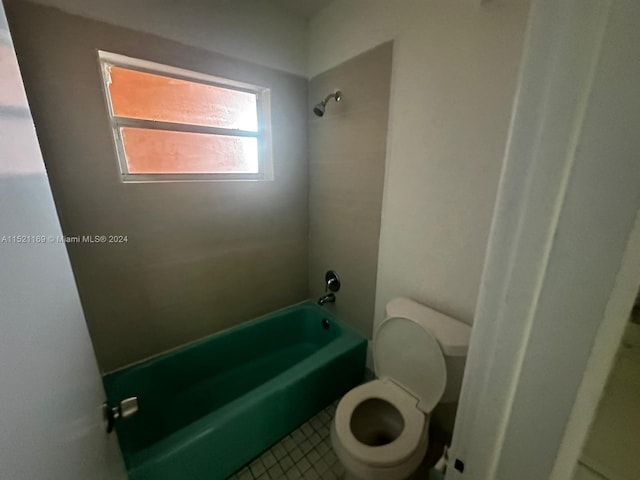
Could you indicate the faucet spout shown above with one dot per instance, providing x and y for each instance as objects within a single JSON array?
[{"x": 328, "y": 298}]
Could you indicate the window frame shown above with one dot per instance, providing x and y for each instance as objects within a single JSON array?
[{"x": 263, "y": 134}]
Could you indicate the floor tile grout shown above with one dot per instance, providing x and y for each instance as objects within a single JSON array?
[{"x": 304, "y": 454}]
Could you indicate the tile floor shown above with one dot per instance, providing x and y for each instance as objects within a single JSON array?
[
  {"x": 304, "y": 454},
  {"x": 611, "y": 450}
]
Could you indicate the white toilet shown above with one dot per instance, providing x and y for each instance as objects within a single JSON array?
[{"x": 381, "y": 428}]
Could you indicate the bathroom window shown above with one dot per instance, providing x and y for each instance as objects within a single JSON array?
[{"x": 171, "y": 124}]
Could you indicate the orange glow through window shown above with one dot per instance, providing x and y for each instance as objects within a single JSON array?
[
  {"x": 167, "y": 124},
  {"x": 161, "y": 151},
  {"x": 149, "y": 96}
]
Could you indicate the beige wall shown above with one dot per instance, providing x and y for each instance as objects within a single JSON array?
[
  {"x": 455, "y": 66},
  {"x": 201, "y": 256},
  {"x": 346, "y": 172},
  {"x": 258, "y": 31}
]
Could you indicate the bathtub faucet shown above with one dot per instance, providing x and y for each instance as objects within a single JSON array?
[{"x": 328, "y": 298}]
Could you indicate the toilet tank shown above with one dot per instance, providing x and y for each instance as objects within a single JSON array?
[{"x": 452, "y": 335}]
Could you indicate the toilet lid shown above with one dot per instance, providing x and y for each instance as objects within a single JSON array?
[{"x": 406, "y": 353}]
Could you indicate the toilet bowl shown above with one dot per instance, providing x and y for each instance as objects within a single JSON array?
[
  {"x": 381, "y": 428},
  {"x": 379, "y": 433}
]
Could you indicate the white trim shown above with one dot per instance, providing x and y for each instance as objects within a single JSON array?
[
  {"x": 506, "y": 428},
  {"x": 601, "y": 360},
  {"x": 146, "y": 65},
  {"x": 263, "y": 103}
]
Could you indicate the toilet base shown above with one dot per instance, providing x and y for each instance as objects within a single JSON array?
[
  {"x": 414, "y": 476},
  {"x": 356, "y": 470}
]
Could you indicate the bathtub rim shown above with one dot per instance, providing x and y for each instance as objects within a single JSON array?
[{"x": 193, "y": 343}]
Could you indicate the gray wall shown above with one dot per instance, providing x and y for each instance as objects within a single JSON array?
[
  {"x": 201, "y": 256},
  {"x": 347, "y": 150}
]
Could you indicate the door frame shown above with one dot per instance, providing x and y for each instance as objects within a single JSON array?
[
  {"x": 51, "y": 391},
  {"x": 563, "y": 260}
]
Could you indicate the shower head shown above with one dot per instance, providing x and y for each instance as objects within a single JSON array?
[{"x": 320, "y": 107}]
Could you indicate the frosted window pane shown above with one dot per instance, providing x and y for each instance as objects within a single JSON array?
[
  {"x": 161, "y": 151},
  {"x": 155, "y": 97}
]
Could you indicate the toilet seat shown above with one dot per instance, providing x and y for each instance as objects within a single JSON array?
[{"x": 395, "y": 452}]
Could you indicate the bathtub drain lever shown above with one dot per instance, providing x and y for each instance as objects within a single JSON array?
[{"x": 125, "y": 409}]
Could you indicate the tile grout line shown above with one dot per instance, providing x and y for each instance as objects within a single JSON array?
[{"x": 304, "y": 454}]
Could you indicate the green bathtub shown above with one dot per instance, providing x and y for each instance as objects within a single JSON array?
[{"x": 207, "y": 409}]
